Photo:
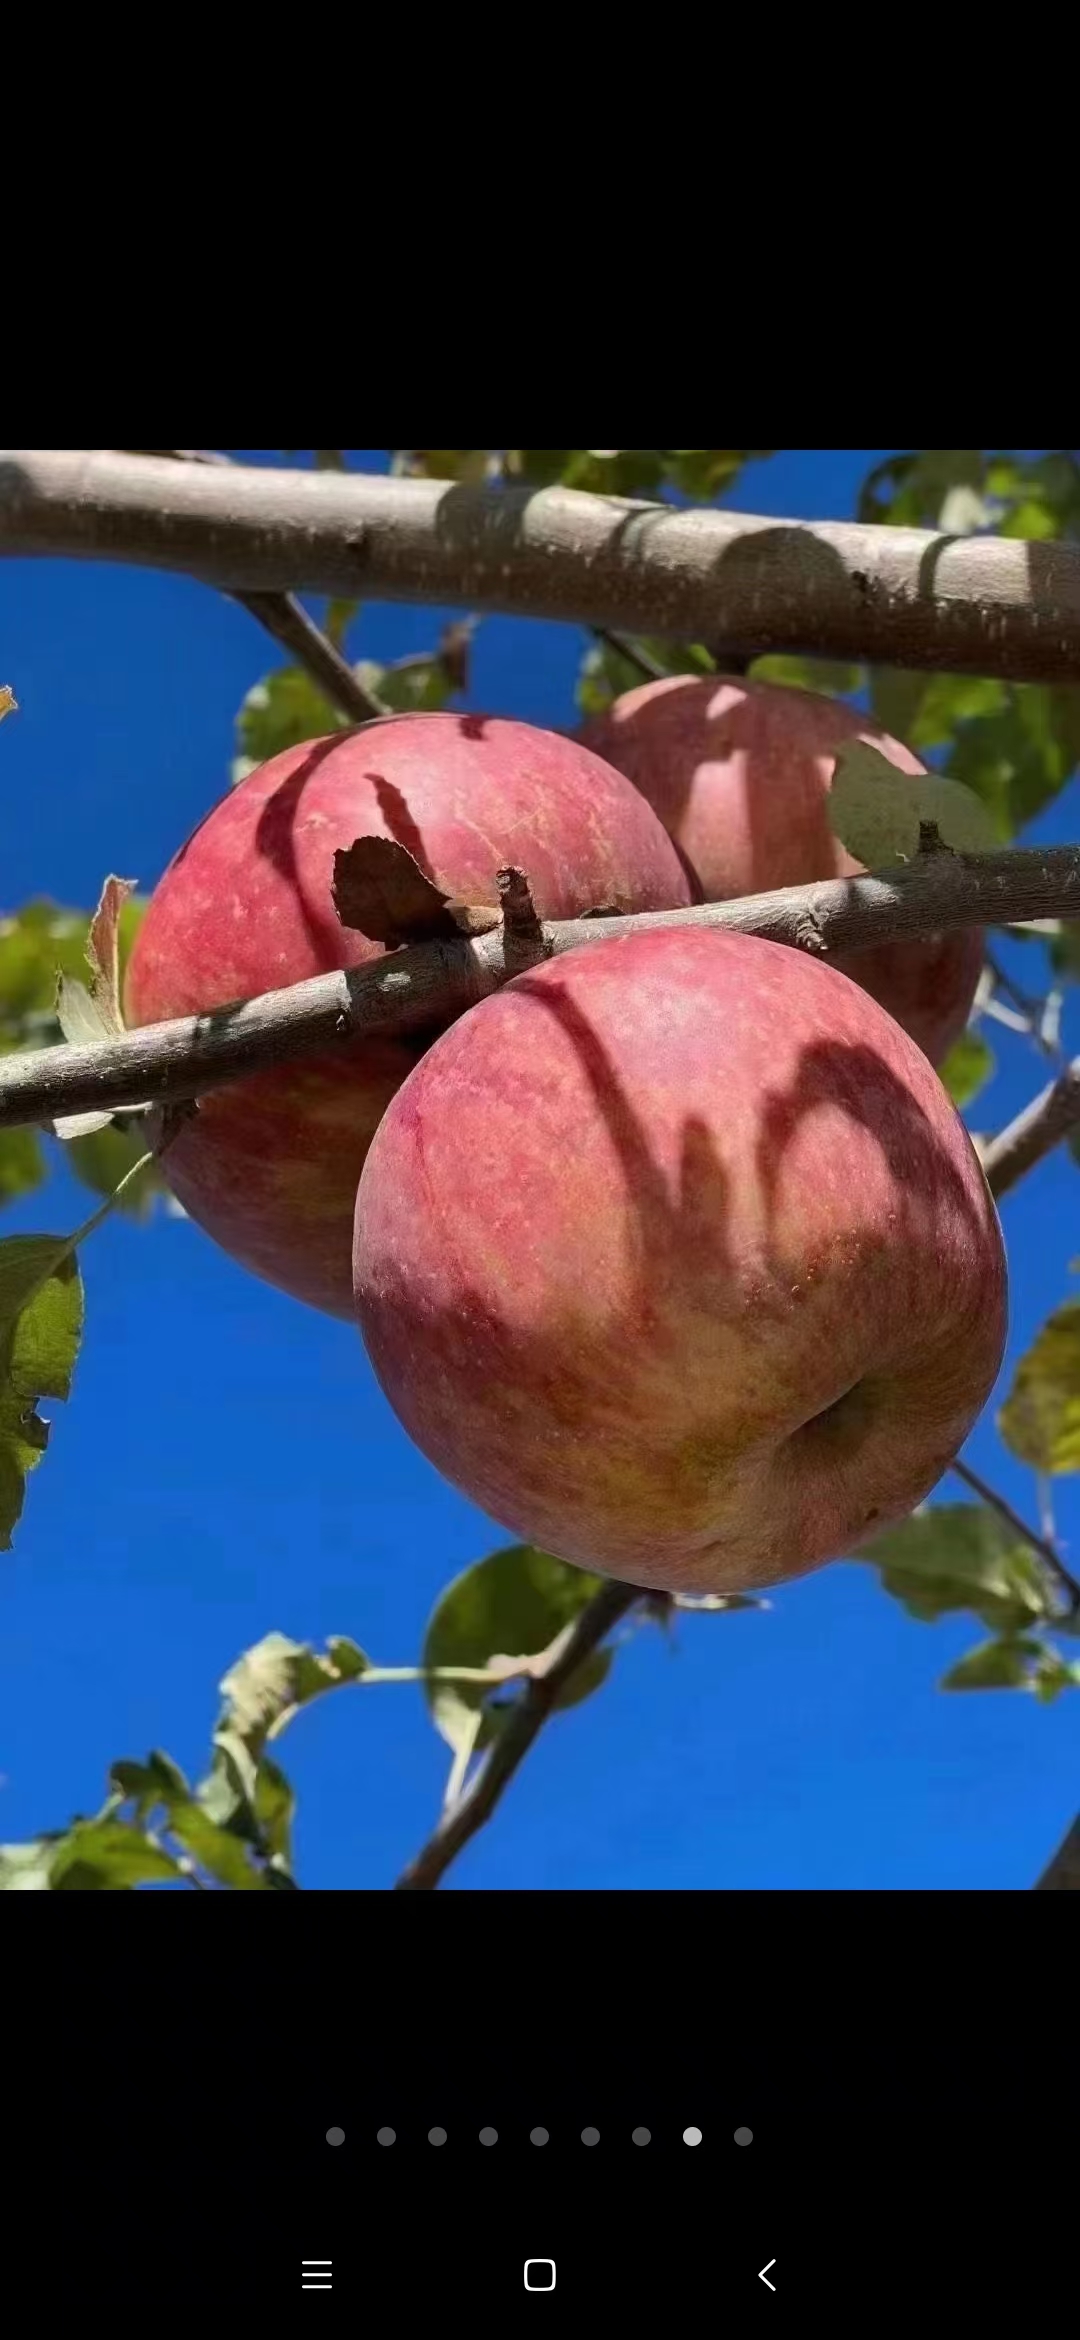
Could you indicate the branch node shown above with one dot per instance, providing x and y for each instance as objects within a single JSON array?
[
  {"x": 809, "y": 934},
  {"x": 521, "y": 925}
]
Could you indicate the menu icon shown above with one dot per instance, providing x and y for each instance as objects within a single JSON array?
[{"x": 315, "y": 2274}]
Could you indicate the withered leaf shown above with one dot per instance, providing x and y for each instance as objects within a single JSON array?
[{"x": 379, "y": 890}]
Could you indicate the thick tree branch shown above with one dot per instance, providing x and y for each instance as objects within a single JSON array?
[
  {"x": 1062, "y": 1875},
  {"x": 524, "y": 1721},
  {"x": 984, "y": 605},
  {"x": 1035, "y": 1132},
  {"x": 288, "y": 621},
  {"x": 411, "y": 989}
]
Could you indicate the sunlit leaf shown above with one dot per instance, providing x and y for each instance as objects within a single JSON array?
[
  {"x": 25, "y": 1868},
  {"x": 968, "y": 1066},
  {"x": 994, "y": 1665},
  {"x": 1018, "y": 758},
  {"x": 89, "y": 1012},
  {"x": 41, "y": 1317},
  {"x": 281, "y": 711},
  {"x": 1040, "y": 1419}
]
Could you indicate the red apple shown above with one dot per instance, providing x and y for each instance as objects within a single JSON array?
[
  {"x": 270, "y": 1165},
  {"x": 674, "y": 1257},
  {"x": 739, "y": 773}
]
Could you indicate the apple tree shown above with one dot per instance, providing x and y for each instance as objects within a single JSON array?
[{"x": 828, "y": 739}]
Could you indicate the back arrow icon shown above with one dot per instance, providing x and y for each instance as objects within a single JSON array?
[{"x": 763, "y": 2274}]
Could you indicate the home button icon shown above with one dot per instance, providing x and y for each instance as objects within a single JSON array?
[{"x": 539, "y": 2274}]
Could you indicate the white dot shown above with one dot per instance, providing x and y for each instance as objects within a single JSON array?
[{"x": 691, "y": 2136}]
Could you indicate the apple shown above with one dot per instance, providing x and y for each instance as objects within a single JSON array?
[
  {"x": 269, "y": 1166},
  {"x": 674, "y": 1257},
  {"x": 739, "y": 773}
]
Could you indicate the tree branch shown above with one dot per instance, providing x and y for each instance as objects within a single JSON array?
[
  {"x": 430, "y": 982},
  {"x": 1035, "y": 1132},
  {"x": 1046, "y": 1551},
  {"x": 1062, "y": 1874},
  {"x": 290, "y": 624},
  {"x": 523, "y": 1723},
  {"x": 908, "y": 597}
]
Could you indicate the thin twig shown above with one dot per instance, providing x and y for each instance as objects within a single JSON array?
[
  {"x": 1062, "y": 1874},
  {"x": 1046, "y": 1551},
  {"x": 1034, "y": 1132},
  {"x": 523, "y": 1723},
  {"x": 1030, "y": 1007},
  {"x": 283, "y": 616},
  {"x": 425, "y": 983},
  {"x": 648, "y": 667},
  {"x": 829, "y": 589}
]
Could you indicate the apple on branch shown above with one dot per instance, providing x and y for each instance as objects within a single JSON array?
[
  {"x": 269, "y": 1165},
  {"x": 739, "y": 773},
  {"x": 674, "y": 1256}
]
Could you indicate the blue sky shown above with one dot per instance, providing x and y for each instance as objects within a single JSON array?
[{"x": 228, "y": 1466}]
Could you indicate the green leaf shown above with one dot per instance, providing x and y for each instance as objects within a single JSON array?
[
  {"x": 513, "y": 1604},
  {"x": 216, "y": 1849},
  {"x": 412, "y": 686},
  {"x": 340, "y": 615},
  {"x": 706, "y": 473},
  {"x": 876, "y": 810},
  {"x": 41, "y": 1318},
  {"x": 156, "y": 1784},
  {"x": 159, "y": 1786},
  {"x": 824, "y": 675},
  {"x": 1040, "y": 1419},
  {"x": 968, "y": 1066},
  {"x": 627, "y": 471},
  {"x": 104, "y": 1156},
  {"x": 461, "y": 463},
  {"x": 244, "y": 1791},
  {"x": 274, "y": 1807},
  {"x": 912, "y": 491},
  {"x": 951, "y": 1556},
  {"x": 896, "y": 696},
  {"x": 109, "y": 1856},
  {"x": 22, "y": 1164},
  {"x": 1052, "y": 1675},
  {"x": 36, "y": 944},
  {"x": 994, "y": 1665},
  {"x": 281, "y": 711},
  {"x": 605, "y": 673},
  {"x": 927, "y": 710},
  {"x": 1017, "y": 758}
]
